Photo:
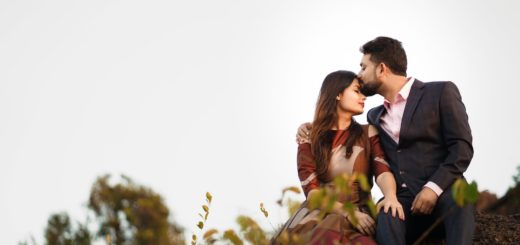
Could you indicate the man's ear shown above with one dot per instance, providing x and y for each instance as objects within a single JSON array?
[{"x": 381, "y": 69}]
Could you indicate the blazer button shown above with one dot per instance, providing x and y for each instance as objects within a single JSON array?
[
  {"x": 398, "y": 151},
  {"x": 401, "y": 172}
]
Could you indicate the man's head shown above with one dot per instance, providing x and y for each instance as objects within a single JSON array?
[{"x": 382, "y": 57}]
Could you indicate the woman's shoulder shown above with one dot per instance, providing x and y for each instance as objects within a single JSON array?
[{"x": 370, "y": 129}]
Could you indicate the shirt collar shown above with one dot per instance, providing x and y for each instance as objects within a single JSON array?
[
  {"x": 403, "y": 93},
  {"x": 405, "y": 90}
]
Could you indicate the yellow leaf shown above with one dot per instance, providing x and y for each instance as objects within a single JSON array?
[
  {"x": 208, "y": 197},
  {"x": 292, "y": 189},
  {"x": 210, "y": 233},
  {"x": 266, "y": 214},
  {"x": 233, "y": 237}
]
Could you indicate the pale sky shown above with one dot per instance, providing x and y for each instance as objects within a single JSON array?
[{"x": 194, "y": 96}]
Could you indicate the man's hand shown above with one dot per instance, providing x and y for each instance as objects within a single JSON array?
[
  {"x": 303, "y": 134},
  {"x": 424, "y": 202},
  {"x": 366, "y": 225},
  {"x": 393, "y": 205}
]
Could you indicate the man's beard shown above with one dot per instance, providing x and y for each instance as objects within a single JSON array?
[{"x": 370, "y": 88}]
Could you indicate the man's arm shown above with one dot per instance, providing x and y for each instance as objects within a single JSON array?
[
  {"x": 303, "y": 134},
  {"x": 457, "y": 137}
]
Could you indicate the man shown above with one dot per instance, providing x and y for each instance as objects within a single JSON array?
[{"x": 424, "y": 131}]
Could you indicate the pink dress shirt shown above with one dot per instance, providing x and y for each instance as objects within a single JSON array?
[{"x": 391, "y": 121}]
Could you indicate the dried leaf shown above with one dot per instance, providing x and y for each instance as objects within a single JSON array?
[
  {"x": 200, "y": 225},
  {"x": 266, "y": 214},
  {"x": 205, "y": 208},
  {"x": 291, "y": 189},
  {"x": 208, "y": 197},
  {"x": 210, "y": 233},
  {"x": 232, "y": 237}
]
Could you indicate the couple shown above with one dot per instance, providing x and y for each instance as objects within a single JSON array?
[{"x": 417, "y": 144}]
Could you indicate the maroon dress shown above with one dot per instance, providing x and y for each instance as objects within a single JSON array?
[{"x": 367, "y": 158}]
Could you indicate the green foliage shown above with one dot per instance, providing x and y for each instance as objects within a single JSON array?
[
  {"x": 208, "y": 235},
  {"x": 325, "y": 198},
  {"x": 262, "y": 209},
  {"x": 464, "y": 193},
  {"x": 231, "y": 236},
  {"x": 131, "y": 214},
  {"x": 59, "y": 231},
  {"x": 251, "y": 231}
]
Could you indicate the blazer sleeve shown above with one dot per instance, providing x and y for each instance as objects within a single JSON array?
[
  {"x": 307, "y": 168},
  {"x": 457, "y": 137}
]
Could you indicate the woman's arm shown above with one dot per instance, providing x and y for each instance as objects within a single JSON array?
[
  {"x": 384, "y": 177},
  {"x": 307, "y": 169},
  {"x": 386, "y": 183}
]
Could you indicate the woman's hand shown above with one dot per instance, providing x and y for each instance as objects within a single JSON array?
[
  {"x": 392, "y": 204},
  {"x": 366, "y": 225}
]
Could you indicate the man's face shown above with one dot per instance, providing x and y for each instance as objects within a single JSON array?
[{"x": 368, "y": 75}]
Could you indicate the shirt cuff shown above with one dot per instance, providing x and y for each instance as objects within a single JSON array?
[{"x": 435, "y": 188}]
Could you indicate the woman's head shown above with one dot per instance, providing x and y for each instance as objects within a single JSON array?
[
  {"x": 339, "y": 97},
  {"x": 339, "y": 93}
]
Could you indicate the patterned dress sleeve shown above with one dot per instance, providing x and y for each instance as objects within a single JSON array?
[
  {"x": 307, "y": 168},
  {"x": 379, "y": 163}
]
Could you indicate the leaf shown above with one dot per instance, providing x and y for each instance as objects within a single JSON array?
[
  {"x": 200, "y": 225},
  {"x": 210, "y": 233},
  {"x": 205, "y": 208},
  {"x": 458, "y": 189},
  {"x": 295, "y": 239},
  {"x": 283, "y": 238},
  {"x": 471, "y": 194},
  {"x": 315, "y": 199},
  {"x": 350, "y": 208},
  {"x": 209, "y": 197},
  {"x": 372, "y": 208},
  {"x": 232, "y": 237},
  {"x": 291, "y": 189},
  {"x": 266, "y": 214},
  {"x": 194, "y": 237},
  {"x": 293, "y": 206},
  {"x": 363, "y": 182}
]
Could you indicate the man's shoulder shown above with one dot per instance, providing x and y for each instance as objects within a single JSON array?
[
  {"x": 438, "y": 85},
  {"x": 372, "y": 113}
]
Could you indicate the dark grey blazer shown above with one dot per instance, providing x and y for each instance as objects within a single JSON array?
[{"x": 435, "y": 137}]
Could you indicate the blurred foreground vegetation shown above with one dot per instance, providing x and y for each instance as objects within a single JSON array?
[{"x": 127, "y": 213}]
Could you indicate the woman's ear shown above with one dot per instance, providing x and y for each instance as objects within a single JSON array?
[{"x": 338, "y": 97}]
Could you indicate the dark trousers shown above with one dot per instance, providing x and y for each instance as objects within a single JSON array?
[{"x": 458, "y": 226}]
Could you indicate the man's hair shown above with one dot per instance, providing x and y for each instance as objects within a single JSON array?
[{"x": 389, "y": 51}]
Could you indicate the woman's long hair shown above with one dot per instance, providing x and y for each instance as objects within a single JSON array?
[{"x": 325, "y": 119}]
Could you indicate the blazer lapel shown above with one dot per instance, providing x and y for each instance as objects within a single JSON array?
[
  {"x": 377, "y": 123},
  {"x": 416, "y": 93},
  {"x": 379, "y": 113}
]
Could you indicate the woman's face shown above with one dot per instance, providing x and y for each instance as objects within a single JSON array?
[{"x": 351, "y": 99}]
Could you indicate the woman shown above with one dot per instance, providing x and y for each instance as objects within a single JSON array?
[{"x": 339, "y": 145}]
